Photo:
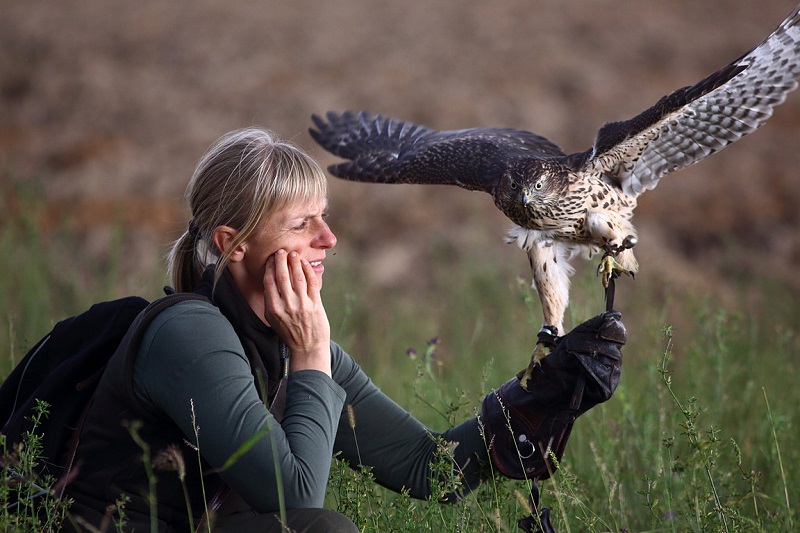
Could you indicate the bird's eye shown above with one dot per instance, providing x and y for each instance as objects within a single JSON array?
[
  {"x": 513, "y": 185},
  {"x": 538, "y": 185}
]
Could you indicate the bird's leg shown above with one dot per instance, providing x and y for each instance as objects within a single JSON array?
[
  {"x": 609, "y": 267},
  {"x": 546, "y": 342},
  {"x": 551, "y": 270}
]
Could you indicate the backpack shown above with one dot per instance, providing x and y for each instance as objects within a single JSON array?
[{"x": 64, "y": 368}]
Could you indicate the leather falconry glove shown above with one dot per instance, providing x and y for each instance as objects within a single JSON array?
[
  {"x": 525, "y": 428},
  {"x": 582, "y": 371}
]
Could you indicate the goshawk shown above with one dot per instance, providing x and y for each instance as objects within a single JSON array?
[{"x": 566, "y": 205}]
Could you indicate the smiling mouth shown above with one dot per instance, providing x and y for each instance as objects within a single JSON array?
[{"x": 315, "y": 263}]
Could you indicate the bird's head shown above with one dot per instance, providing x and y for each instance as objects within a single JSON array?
[{"x": 530, "y": 189}]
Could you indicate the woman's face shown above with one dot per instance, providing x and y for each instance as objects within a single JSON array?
[{"x": 297, "y": 228}]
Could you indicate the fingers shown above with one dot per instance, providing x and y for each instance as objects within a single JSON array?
[
  {"x": 271, "y": 290},
  {"x": 288, "y": 274},
  {"x": 283, "y": 279},
  {"x": 293, "y": 308},
  {"x": 312, "y": 280}
]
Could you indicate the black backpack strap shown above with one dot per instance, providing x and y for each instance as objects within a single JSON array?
[
  {"x": 129, "y": 347},
  {"x": 126, "y": 348},
  {"x": 130, "y": 343}
]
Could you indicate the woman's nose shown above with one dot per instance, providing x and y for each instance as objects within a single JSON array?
[{"x": 326, "y": 238}]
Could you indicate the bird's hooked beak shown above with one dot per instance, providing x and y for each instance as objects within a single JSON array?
[{"x": 527, "y": 197}]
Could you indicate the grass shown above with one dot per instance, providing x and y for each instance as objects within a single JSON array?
[
  {"x": 28, "y": 502},
  {"x": 701, "y": 434},
  {"x": 663, "y": 455}
]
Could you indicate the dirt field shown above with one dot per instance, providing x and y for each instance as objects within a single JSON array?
[{"x": 109, "y": 105}]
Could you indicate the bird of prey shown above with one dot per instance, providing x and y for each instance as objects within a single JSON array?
[{"x": 581, "y": 203}]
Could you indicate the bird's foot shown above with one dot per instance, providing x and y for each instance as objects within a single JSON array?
[
  {"x": 539, "y": 352},
  {"x": 547, "y": 341},
  {"x": 609, "y": 268}
]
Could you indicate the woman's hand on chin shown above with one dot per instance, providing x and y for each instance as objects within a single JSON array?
[{"x": 293, "y": 308}]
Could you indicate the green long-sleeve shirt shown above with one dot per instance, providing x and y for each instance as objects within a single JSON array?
[{"x": 191, "y": 354}]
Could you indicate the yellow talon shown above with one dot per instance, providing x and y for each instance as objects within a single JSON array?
[
  {"x": 540, "y": 351},
  {"x": 610, "y": 268}
]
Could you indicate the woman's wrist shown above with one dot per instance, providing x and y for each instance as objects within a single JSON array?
[{"x": 318, "y": 359}]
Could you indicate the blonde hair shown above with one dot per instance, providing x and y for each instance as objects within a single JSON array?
[{"x": 246, "y": 176}]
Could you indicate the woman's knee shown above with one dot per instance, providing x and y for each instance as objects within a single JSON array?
[
  {"x": 319, "y": 521},
  {"x": 296, "y": 521}
]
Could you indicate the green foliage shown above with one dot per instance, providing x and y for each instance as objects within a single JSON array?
[
  {"x": 48, "y": 273},
  {"x": 29, "y": 501},
  {"x": 651, "y": 459},
  {"x": 689, "y": 441},
  {"x": 700, "y": 436}
]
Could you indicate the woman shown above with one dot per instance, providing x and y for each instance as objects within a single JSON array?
[{"x": 255, "y": 247}]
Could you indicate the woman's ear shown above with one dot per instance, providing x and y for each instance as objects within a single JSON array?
[{"x": 224, "y": 237}]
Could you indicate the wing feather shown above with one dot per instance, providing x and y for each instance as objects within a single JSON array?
[
  {"x": 381, "y": 149},
  {"x": 697, "y": 121}
]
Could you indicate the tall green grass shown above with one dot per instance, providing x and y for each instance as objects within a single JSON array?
[
  {"x": 701, "y": 434},
  {"x": 699, "y": 437}
]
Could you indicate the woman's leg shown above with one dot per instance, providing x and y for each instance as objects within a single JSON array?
[
  {"x": 236, "y": 516},
  {"x": 297, "y": 521}
]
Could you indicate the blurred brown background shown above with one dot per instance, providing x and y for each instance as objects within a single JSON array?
[{"x": 109, "y": 105}]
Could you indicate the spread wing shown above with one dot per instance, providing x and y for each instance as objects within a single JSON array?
[
  {"x": 694, "y": 122},
  {"x": 386, "y": 150}
]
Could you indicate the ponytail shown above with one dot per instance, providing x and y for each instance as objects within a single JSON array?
[{"x": 183, "y": 264}]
